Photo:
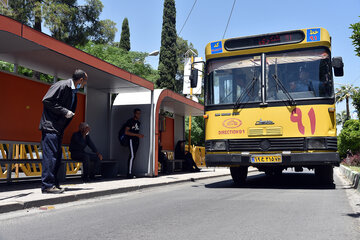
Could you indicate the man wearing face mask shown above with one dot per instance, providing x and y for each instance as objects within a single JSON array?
[
  {"x": 59, "y": 109},
  {"x": 91, "y": 161}
]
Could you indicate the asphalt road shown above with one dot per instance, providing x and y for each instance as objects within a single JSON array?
[{"x": 289, "y": 207}]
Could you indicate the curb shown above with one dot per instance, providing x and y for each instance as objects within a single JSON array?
[
  {"x": 352, "y": 176},
  {"x": 15, "y": 206}
]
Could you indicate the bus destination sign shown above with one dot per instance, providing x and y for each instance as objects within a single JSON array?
[{"x": 264, "y": 40}]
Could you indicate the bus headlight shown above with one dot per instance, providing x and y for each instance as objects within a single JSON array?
[
  {"x": 219, "y": 146},
  {"x": 316, "y": 143}
]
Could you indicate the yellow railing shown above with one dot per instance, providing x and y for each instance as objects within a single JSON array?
[
  {"x": 198, "y": 154},
  {"x": 30, "y": 151}
]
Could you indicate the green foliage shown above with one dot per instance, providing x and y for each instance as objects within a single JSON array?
[
  {"x": 125, "y": 35},
  {"x": 341, "y": 118},
  {"x": 182, "y": 47},
  {"x": 5, "y": 66},
  {"x": 66, "y": 20},
  {"x": 197, "y": 130},
  {"x": 356, "y": 101},
  {"x": 133, "y": 62},
  {"x": 349, "y": 138},
  {"x": 346, "y": 92},
  {"x": 168, "y": 61},
  {"x": 356, "y": 37}
]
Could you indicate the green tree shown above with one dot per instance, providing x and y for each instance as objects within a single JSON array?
[
  {"x": 356, "y": 101},
  {"x": 133, "y": 62},
  {"x": 168, "y": 59},
  {"x": 345, "y": 92},
  {"x": 341, "y": 118},
  {"x": 125, "y": 35},
  {"x": 356, "y": 37},
  {"x": 197, "y": 130},
  {"x": 349, "y": 137},
  {"x": 67, "y": 21}
]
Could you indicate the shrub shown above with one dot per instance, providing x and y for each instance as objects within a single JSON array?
[{"x": 349, "y": 138}]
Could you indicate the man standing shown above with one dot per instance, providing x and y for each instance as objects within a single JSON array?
[
  {"x": 79, "y": 141},
  {"x": 59, "y": 109},
  {"x": 132, "y": 131}
]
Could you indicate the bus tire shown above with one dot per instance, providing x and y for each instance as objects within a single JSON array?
[
  {"x": 239, "y": 174},
  {"x": 325, "y": 174}
]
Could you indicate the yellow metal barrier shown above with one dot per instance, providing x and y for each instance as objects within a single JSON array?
[
  {"x": 71, "y": 168},
  {"x": 3, "y": 168},
  {"x": 198, "y": 154},
  {"x": 31, "y": 151}
]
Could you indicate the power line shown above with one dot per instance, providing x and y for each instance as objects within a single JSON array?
[
  {"x": 229, "y": 18},
  {"x": 187, "y": 17}
]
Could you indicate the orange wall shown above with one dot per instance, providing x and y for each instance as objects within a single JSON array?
[
  {"x": 21, "y": 109},
  {"x": 167, "y": 136}
]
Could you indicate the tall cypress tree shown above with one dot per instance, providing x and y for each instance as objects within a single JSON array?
[
  {"x": 125, "y": 35},
  {"x": 167, "y": 61}
]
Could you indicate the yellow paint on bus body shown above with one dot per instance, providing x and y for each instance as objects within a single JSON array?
[{"x": 271, "y": 122}]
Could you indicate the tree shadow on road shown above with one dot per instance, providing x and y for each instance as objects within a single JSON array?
[{"x": 288, "y": 180}]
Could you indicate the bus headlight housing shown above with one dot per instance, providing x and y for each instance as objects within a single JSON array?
[
  {"x": 316, "y": 143},
  {"x": 219, "y": 146}
]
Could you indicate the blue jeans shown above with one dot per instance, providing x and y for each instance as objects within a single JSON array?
[{"x": 51, "y": 146}]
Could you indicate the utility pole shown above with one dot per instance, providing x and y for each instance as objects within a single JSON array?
[{"x": 191, "y": 92}]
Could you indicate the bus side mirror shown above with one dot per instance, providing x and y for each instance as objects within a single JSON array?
[
  {"x": 338, "y": 66},
  {"x": 194, "y": 77}
]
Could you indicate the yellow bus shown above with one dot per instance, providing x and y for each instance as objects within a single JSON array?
[{"x": 269, "y": 103}]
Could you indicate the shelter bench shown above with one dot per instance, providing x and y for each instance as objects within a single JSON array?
[{"x": 173, "y": 165}]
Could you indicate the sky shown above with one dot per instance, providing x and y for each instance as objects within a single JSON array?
[{"x": 208, "y": 20}]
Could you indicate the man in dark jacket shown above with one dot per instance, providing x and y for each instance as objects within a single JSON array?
[
  {"x": 79, "y": 141},
  {"x": 59, "y": 109},
  {"x": 132, "y": 130}
]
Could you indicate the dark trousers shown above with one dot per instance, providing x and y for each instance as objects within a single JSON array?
[
  {"x": 190, "y": 164},
  {"x": 90, "y": 161},
  {"x": 51, "y": 146},
  {"x": 163, "y": 160},
  {"x": 133, "y": 147}
]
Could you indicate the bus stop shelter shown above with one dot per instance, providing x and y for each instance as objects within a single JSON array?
[
  {"x": 171, "y": 129},
  {"x": 20, "y": 96}
]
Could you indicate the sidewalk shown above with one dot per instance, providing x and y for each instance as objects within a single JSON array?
[{"x": 12, "y": 198}]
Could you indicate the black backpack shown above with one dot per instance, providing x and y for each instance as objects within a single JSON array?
[{"x": 123, "y": 138}]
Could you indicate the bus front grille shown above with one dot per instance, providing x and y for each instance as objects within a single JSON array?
[{"x": 269, "y": 144}]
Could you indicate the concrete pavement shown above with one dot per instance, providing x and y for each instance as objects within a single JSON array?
[
  {"x": 293, "y": 206},
  {"x": 12, "y": 198}
]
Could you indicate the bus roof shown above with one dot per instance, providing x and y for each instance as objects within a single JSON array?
[{"x": 303, "y": 38}]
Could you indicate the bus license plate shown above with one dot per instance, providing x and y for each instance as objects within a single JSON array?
[{"x": 266, "y": 159}]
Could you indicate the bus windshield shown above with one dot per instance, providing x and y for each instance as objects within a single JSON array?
[
  {"x": 229, "y": 80},
  {"x": 303, "y": 74}
]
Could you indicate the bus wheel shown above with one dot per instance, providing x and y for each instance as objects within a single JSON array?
[
  {"x": 239, "y": 174},
  {"x": 325, "y": 174}
]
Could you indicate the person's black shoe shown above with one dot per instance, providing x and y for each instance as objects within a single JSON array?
[
  {"x": 197, "y": 170},
  {"x": 53, "y": 190}
]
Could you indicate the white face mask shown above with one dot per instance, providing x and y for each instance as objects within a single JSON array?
[{"x": 87, "y": 133}]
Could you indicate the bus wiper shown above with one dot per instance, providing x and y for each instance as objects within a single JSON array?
[
  {"x": 246, "y": 92},
  {"x": 279, "y": 83}
]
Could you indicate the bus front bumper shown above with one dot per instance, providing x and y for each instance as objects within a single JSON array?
[{"x": 293, "y": 159}]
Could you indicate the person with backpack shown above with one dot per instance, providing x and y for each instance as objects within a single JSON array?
[{"x": 129, "y": 136}]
